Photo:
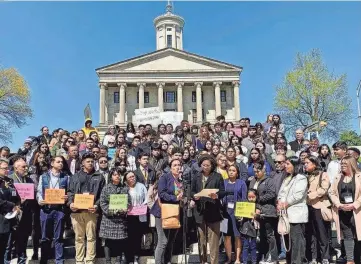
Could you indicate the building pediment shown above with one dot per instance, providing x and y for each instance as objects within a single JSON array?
[{"x": 169, "y": 60}]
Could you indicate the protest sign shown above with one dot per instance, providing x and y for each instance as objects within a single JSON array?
[
  {"x": 237, "y": 131},
  {"x": 150, "y": 115},
  {"x": 84, "y": 201},
  {"x": 138, "y": 210},
  {"x": 118, "y": 202},
  {"x": 54, "y": 196},
  {"x": 245, "y": 209},
  {"x": 25, "y": 190},
  {"x": 171, "y": 117}
]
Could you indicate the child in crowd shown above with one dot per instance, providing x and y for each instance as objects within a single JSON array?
[{"x": 248, "y": 228}]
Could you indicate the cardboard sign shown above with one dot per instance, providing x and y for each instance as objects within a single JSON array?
[
  {"x": 245, "y": 209},
  {"x": 138, "y": 210},
  {"x": 54, "y": 196},
  {"x": 118, "y": 202},
  {"x": 25, "y": 190},
  {"x": 83, "y": 201}
]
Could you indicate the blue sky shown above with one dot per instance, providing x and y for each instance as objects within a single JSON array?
[{"x": 57, "y": 47}]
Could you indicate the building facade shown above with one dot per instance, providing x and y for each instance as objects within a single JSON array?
[{"x": 171, "y": 78}]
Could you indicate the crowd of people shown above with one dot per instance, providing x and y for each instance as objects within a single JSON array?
[{"x": 164, "y": 169}]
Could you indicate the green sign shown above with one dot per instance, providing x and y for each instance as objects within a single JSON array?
[{"x": 118, "y": 202}]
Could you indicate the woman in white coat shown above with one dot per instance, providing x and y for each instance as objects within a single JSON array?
[{"x": 292, "y": 197}]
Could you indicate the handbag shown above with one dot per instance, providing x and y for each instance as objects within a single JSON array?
[{"x": 169, "y": 215}]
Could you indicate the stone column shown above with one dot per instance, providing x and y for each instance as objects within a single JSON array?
[
  {"x": 103, "y": 87},
  {"x": 160, "y": 86},
  {"x": 180, "y": 96},
  {"x": 199, "y": 101},
  {"x": 141, "y": 87},
  {"x": 217, "y": 96},
  {"x": 236, "y": 100},
  {"x": 122, "y": 87}
]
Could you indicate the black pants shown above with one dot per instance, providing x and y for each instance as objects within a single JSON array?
[
  {"x": 318, "y": 235},
  {"x": 115, "y": 247},
  {"x": 297, "y": 254},
  {"x": 268, "y": 247},
  {"x": 4, "y": 238},
  {"x": 135, "y": 233}
]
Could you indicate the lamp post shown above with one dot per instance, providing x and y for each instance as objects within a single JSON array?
[{"x": 358, "y": 104}]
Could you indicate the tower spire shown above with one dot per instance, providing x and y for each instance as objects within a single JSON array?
[{"x": 169, "y": 8}]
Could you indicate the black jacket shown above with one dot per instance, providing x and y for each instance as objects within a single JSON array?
[
  {"x": 295, "y": 146},
  {"x": 278, "y": 178},
  {"x": 207, "y": 209},
  {"x": 140, "y": 177},
  {"x": 9, "y": 198},
  {"x": 96, "y": 184},
  {"x": 266, "y": 197}
]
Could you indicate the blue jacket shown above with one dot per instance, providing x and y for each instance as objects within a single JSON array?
[
  {"x": 251, "y": 172},
  {"x": 165, "y": 193}
]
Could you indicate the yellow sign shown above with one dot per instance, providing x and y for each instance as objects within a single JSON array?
[{"x": 245, "y": 209}]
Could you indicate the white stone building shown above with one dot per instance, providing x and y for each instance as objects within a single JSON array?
[{"x": 171, "y": 78}]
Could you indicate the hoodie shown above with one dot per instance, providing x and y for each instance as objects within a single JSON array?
[{"x": 87, "y": 130}]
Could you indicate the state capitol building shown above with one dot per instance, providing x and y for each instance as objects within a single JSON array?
[{"x": 170, "y": 78}]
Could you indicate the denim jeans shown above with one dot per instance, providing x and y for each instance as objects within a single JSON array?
[
  {"x": 249, "y": 249},
  {"x": 52, "y": 228},
  {"x": 166, "y": 238}
]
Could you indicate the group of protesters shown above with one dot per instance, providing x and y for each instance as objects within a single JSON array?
[{"x": 300, "y": 189}]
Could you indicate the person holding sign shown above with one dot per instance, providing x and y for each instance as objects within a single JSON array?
[
  {"x": 51, "y": 196},
  {"x": 236, "y": 191},
  {"x": 114, "y": 202},
  {"x": 265, "y": 208},
  {"x": 24, "y": 226},
  {"x": 85, "y": 182},
  {"x": 207, "y": 211},
  {"x": 169, "y": 192},
  {"x": 9, "y": 203},
  {"x": 137, "y": 213}
]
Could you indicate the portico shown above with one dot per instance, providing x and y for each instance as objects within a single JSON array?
[{"x": 170, "y": 78}]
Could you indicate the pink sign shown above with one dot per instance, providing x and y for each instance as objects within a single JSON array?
[
  {"x": 25, "y": 190},
  {"x": 237, "y": 131},
  {"x": 138, "y": 210}
]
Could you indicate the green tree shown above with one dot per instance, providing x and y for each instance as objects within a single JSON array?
[
  {"x": 351, "y": 138},
  {"x": 311, "y": 93},
  {"x": 14, "y": 102}
]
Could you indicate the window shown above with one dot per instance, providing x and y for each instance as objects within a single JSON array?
[
  {"x": 116, "y": 97},
  {"x": 170, "y": 97},
  {"x": 146, "y": 97},
  {"x": 194, "y": 97},
  {"x": 169, "y": 41},
  {"x": 223, "y": 96}
]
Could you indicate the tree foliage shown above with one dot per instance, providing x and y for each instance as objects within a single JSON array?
[
  {"x": 311, "y": 93},
  {"x": 14, "y": 102},
  {"x": 351, "y": 138}
]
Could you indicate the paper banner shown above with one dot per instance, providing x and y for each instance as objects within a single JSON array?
[
  {"x": 25, "y": 190},
  {"x": 245, "y": 209},
  {"x": 118, "y": 202},
  {"x": 138, "y": 210}
]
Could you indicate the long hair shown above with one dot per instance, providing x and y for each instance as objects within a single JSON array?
[
  {"x": 351, "y": 164},
  {"x": 297, "y": 166}
]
